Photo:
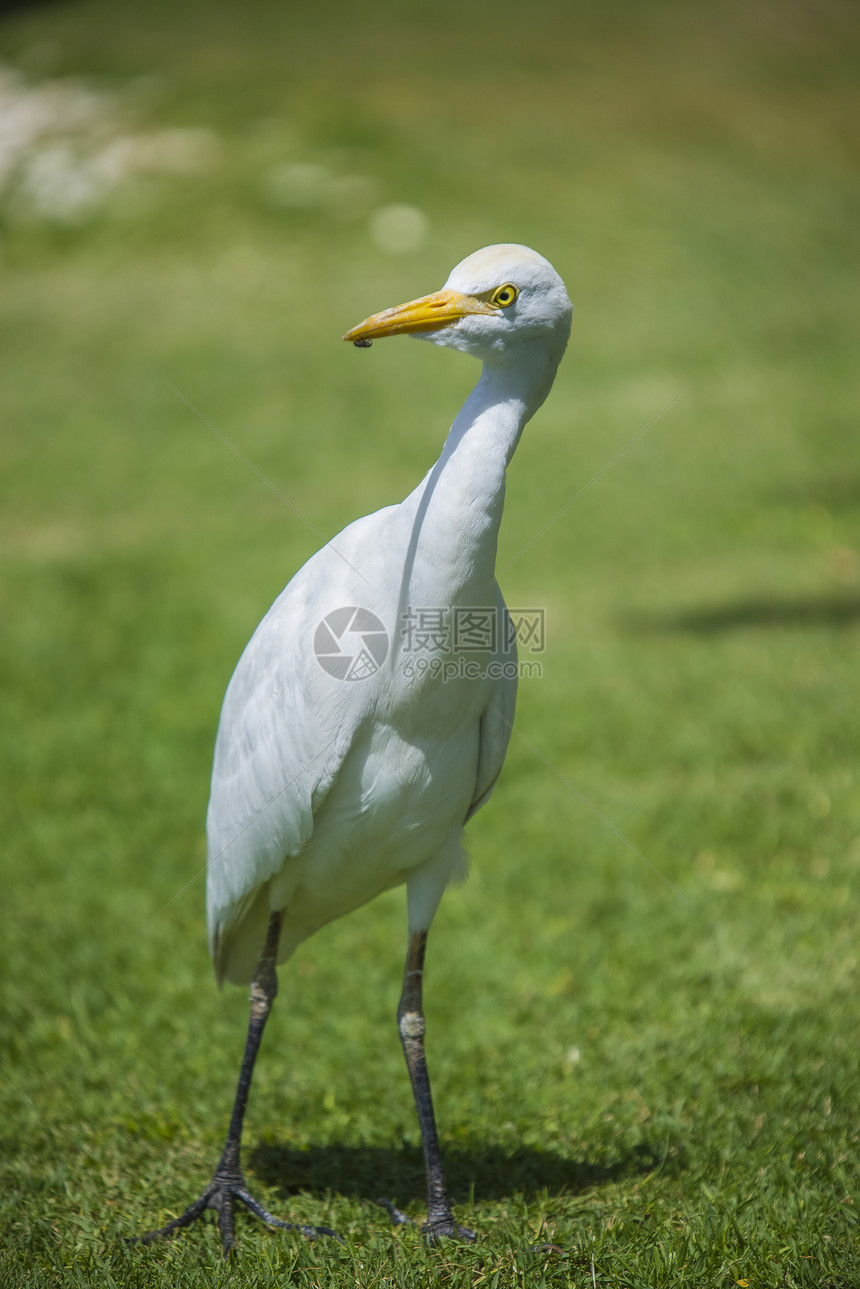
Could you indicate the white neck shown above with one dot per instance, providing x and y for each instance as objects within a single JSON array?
[{"x": 449, "y": 525}]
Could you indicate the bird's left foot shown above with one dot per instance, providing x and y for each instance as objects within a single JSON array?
[
  {"x": 228, "y": 1186},
  {"x": 443, "y": 1227}
]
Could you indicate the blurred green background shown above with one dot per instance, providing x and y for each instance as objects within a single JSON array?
[{"x": 201, "y": 198}]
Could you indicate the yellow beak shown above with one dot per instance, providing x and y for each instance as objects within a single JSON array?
[{"x": 430, "y": 313}]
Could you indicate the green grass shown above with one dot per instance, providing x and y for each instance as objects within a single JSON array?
[{"x": 665, "y": 1094}]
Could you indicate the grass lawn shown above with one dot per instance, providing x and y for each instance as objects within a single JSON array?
[{"x": 643, "y": 1012}]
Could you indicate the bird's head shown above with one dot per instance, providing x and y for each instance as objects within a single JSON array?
[{"x": 494, "y": 301}]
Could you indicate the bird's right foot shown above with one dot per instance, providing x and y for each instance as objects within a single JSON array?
[
  {"x": 447, "y": 1229},
  {"x": 433, "y": 1231},
  {"x": 228, "y": 1186}
]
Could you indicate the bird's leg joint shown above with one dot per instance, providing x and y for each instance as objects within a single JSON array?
[
  {"x": 264, "y": 990},
  {"x": 412, "y": 1026}
]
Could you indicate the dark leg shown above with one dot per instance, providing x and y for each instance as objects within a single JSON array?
[
  {"x": 410, "y": 1022},
  {"x": 228, "y": 1182}
]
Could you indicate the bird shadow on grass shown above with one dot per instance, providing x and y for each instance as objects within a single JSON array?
[
  {"x": 490, "y": 1172},
  {"x": 818, "y": 611}
]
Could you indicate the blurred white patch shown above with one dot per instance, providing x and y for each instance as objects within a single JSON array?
[
  {"x": 399, "y": 229},
  {"x": 28, "y": 113},
  {"x": 55, "y": 185},
  {"x": 62, "y": 155}
]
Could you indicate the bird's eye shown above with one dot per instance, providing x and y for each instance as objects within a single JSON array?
[{"x": 504, "y": 296}]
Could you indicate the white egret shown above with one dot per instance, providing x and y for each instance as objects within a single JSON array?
[{"x": 354, "y": 743}]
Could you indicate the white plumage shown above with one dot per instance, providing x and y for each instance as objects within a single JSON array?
[{"x": 327, "y": 790}]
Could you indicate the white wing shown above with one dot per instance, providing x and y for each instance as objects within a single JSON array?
[{"x": 285, "y": 728}]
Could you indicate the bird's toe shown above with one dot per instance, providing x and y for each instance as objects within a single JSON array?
[
  {"x": 447, "y": 1229},
  {"x": 398, "y": 1217}
]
